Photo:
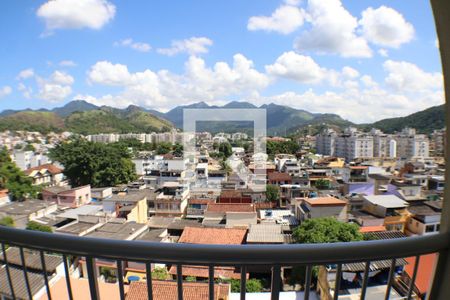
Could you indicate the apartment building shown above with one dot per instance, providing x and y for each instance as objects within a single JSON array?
[{"x": 325, "y": 142}]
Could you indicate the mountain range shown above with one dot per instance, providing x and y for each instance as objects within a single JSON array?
[{"x": 82, "y": 117}]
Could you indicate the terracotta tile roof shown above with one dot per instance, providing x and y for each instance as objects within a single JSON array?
[
  {"x": 167, "y": 290},
  {"x": 220, "y": 236},
  {"x": 358, "y": 167},
  {"x": 424, "y": 271},
  {"x": 230, "y": 207},
  {"x": 50, "y": 167},
  {"x": 325, "y": 201},
  {"x": 203, "y": 272},
  {"x": 277, "y": 176},
  {"x": 372, "y": 229}
]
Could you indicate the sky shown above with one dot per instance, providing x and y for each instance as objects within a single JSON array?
[{"x": 363, "y": 60}]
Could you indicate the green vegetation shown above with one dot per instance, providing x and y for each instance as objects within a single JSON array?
[
  {"x": 288, "y": 147},
  {"x": 160, "y": 274},
  {"x": 43, "y": 122},
  {"x": 90, "y": 121},
  {"x": 163, "y": 148},
  {"x": 191, "y": 278},
  {"x": 251, "y": 286},
  {"x": 7, "y": 221},
  {"x": 272, "y": 193},
  {"x": 225, "y": 149},
  {"x": 13, "y": 179},
  {"x": 424, "y": 121},
  {"x": 326, "y": 230},
  {"x": 322, "y": 184},
  {"x": 32, "y": 225},
  {"x": 97, "y": 164}
]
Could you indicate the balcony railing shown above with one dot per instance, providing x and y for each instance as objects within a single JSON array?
[{"x": 211, "y": 256}]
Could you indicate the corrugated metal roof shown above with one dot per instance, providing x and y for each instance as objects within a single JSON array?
[
  {"x": 265, "y": 233},
  {"x": 374, "y": 265}
]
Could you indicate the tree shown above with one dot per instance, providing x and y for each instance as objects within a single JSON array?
[
  {"x": 32, "y": 225},
  {"x": 272, "y": 193},
  {"x": 326, "y": 230},
  {"x": 97, "y": 164},
  {"x": 225, "y": 166},
  {"x": 7, "y": 221},
  {"x": 322, "y": 184},
  {"x": 14, "y": 180},
  {"x": 163, "y": 148},
  {"x": 225, "y": 148},
  {"x": 160, "y": 273},
  {"x": 178, "y": 150},
  {"x": 251, "y": 286}
]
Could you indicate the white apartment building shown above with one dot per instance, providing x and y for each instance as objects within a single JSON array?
[
  {"x": 325, "y": 142},
  {"x": 354, "y": 144},
  {"x": 438, "y": 140}
]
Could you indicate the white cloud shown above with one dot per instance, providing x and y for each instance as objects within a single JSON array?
[
  {"x": 69, "y": 14},
  {"x": 407, "y": 77},
  {"x": 285, "y": 19},
  {"x": 5, "y": 91},
  {"x": 349, "y": 72},
  {"x": 192, "y": 46},
  {"x": 25, "y": 90},
  {"x": 67, "y": 63},
  {"x": 56, "y": 88},
  {"x": 138, "y": 46},
  {"x": 367, "y": 104},
  {"x": 25, "y": 74},
  {"x": 60, "y": 77},
  {"x": 333, "y": 31},
  {"x": 386, "y": 27},
  {"x": 368, "y": 81},
  {"x": 296, "y": 67},
  {"x": 383, "y": 52},
  {"x": 162, "y": 89}
]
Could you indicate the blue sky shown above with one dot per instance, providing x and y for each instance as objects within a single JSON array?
[{"x": 364, "y": 60}]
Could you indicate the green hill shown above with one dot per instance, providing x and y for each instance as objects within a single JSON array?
[
  {"x": 424, "y": 121},
  {"x": 111, "y": 121},
  {"x": 32, "y": 121}
]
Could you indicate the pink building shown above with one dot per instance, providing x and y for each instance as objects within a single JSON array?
[{"x": 67, "y": 196}]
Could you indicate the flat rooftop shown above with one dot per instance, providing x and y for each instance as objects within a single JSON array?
[
  {"x": 117, "y": 230},
  {"x": 25, "y": 207}
]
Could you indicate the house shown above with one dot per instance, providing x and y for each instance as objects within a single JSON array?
[
  {"x": 47, "y": 175},
  {"x": 425, "y": 218},
  {"x": 424, "y": 273},
  {"x": 234, "y": 214},
  {"x": 28, "y": 210},
  {"x": 311, "y": 208},
  {"x": 67, "y": 196},
  {"x": 163, "y": 290},
  {"x": 131, "y": 206},
  {"x": 196, "y": 207},
  {"x": 99, "y": 194},
  {"x": 389, "y": 207},
  {"x": 218, "y": 236},
  {"x": 172, "y": 200},
  {"x": 278, "y": 178},
  {"x": 234, "y": 196}
]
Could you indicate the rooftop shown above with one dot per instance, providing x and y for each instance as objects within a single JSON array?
[
  {"x": 36, "y": 282},
  {"x": 49, "y": 167},
  {"x": 265, "y": 233},
  {"x": 231, "y": 207},
  {"x": 202, "y": 272},
  {"x": 164, "y": 290},
  {"x": 220, "y": 236},
  {"x": 325, "y": 201},
  {"x": 117, "y": 230},
  {"x": 387, "y": 201},
  {"x": 32, "y": 259},
  {"x": 25, "y": 207}
]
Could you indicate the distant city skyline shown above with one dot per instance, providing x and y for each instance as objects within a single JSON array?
[{"x": 364, "y": 61}]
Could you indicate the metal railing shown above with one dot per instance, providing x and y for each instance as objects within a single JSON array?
[{"x": 211, "y": 256}]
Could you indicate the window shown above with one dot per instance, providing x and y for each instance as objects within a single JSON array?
[{"x": 429, "y": 228}]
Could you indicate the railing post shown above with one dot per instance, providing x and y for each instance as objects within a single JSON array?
[{"x": 92, "y": 276}]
